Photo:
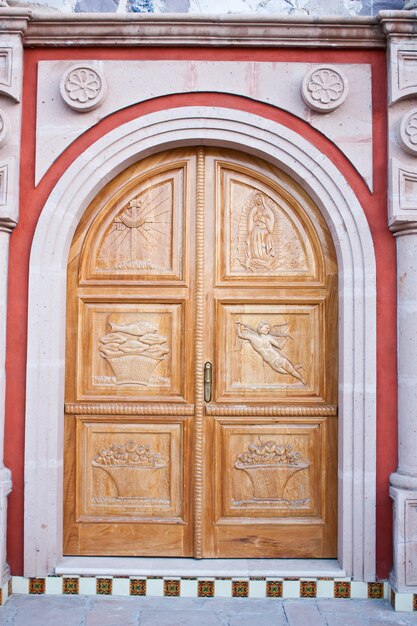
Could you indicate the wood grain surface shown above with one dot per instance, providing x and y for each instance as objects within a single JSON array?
[{"x": 189, "y": 257}]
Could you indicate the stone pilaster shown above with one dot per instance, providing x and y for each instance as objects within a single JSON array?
[
  {"x": 401, "y": 31},
  {"x": 12, "y": 25}
]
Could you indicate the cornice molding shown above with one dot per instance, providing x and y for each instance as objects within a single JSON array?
[
  {"x": 14, "y": 21},
  {"x": 399, "y": 23},
  {"x": 98, "y": 29},
  {"x": 7, "y": 224},
  {"x": 401, "y": 228}
]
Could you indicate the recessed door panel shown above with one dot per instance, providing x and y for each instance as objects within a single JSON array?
[
  {"x": 129, "y": 470},
  {"x": 271, "y": 471},
  {"x": 270, "y": 349},
  {"x": 131, "y": 349}
]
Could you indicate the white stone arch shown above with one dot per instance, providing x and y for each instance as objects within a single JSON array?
[{"x": 357, "y": 316}]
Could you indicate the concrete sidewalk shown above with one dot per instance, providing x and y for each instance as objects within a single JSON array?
[{"x": 24, "y": 610}]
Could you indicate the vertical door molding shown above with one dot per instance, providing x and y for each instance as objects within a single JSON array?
[
  {"x": 357, "y": 288},
  {"x": 200, "y": 305}
]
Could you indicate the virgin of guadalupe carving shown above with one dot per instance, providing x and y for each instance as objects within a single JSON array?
[
  {"x": 133, "y": 351},
  {"x": 260, "y": 250},
  {"x": 140, "y": 236},
  {"x": 266, "y": 240},
  {"x": 269, "y": 345}
]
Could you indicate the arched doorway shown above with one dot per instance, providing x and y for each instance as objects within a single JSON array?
[
  {"x": 342, "y": 211},
  {"x": 201, "y": 370}
]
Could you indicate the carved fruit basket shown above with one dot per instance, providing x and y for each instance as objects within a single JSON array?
[
  {"x": 132, "y": 368},
  {"x": 132, "y": 481},
  {"x": 269, "y": 480}
]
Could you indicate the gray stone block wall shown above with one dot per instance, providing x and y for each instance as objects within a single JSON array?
[
  {"x": 248, "y": 7},
  {"x": 256, "y": 7}
]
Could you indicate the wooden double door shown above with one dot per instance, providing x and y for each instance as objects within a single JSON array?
[{"x": 201, "y": 371}]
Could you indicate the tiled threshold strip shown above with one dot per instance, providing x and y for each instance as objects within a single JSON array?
[{"x": 207, "y": 587}]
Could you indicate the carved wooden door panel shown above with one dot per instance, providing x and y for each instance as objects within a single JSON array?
[
  {"x": 270, "y": 439},
  {"x": 188, "y": 258}
]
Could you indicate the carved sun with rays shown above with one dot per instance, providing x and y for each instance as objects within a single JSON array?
[{"x": 140, "y": 236}]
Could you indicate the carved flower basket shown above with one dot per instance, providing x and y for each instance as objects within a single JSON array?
[
  {"x": 132, "y": 481},
  {"x": 269, "y": 480},
  {"x": 132, "y": 368}
]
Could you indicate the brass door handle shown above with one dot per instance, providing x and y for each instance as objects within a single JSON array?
[{"x": 208, "y": 376}]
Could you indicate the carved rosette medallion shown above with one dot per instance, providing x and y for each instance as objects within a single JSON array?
[
  {"x": 270, "y": 466},
  {"x": 4, "y": 127},
  {"x": 83, "y": 88},
  {"x": 408, "y": 132},
  {"x": 324, "y": 88}
]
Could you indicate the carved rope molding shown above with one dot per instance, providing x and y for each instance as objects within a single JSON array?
[
  {"x": 271, "y": 411},
  {"x": 112, "y": 408}
]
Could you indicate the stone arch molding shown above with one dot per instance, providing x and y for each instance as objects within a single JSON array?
[{"x": 357, "y": 314}]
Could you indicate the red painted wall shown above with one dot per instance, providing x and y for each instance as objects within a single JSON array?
[{"x": 374, "y": 204}]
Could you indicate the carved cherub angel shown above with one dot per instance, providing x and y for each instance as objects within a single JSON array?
[{"x": 268, "y": 345}]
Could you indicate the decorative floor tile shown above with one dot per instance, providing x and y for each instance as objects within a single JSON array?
[
  {"x": 291, "y": 588},
  {"x": 375, "y": 590},
  {"x": 172, "y": 587},
  {"x": 325, "y": 589},
  {"x": 359, "y": 591},
  {"x": 36, "y": 585},
  {"x": 20, "y": 584},
  {"x": 273, "y": 589},
  {"x": 308, "y": 589},
  {"x": 154, "y": 587},
  {"x": 223, "y": 587},
  {"x": 189, "y": 588},
  {"x": 121, "y": 586},
  {"x": 240, "y": 589},
  {"x": 206, "y": 588},
  {"x": 138, "y": 587},
  {"x": 341, "y": 589},
  {"x": 104, "y": 586},
  {"x": 403, "y": 601},
  {"x": 87, "y": 586},
  {"x": 70, "y": 586},
  {"x": 210, "y": 587},
  {"x": 53, "y": 586},
  {"x": 257, "y": 588}
]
